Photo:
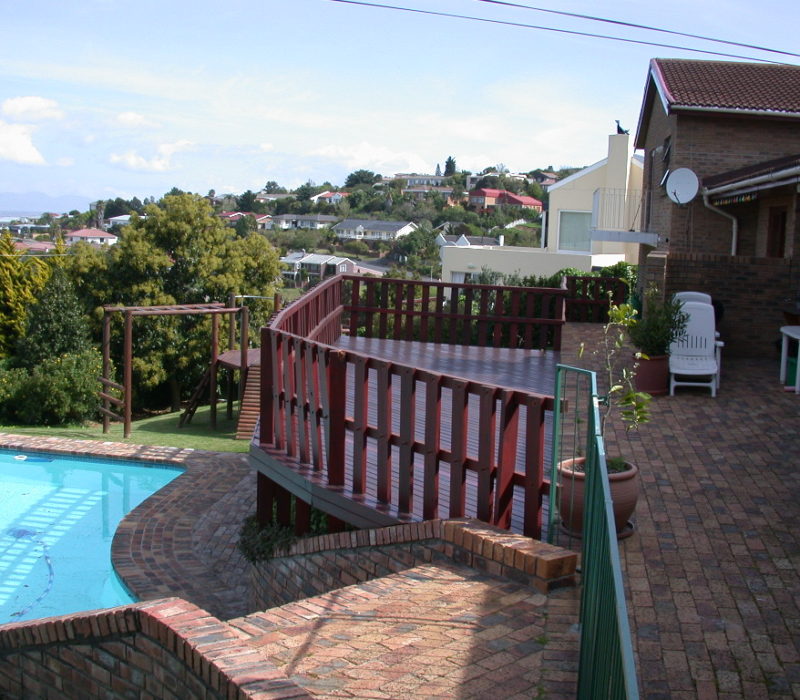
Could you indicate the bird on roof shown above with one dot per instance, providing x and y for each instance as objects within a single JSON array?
[{"x": 620, "y": 130}]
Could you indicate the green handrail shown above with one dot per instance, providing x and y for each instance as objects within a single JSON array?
[{"x": 606, "y": 664}]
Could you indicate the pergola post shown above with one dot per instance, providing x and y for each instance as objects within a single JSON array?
[
  {"x": 245, "y": 344},
  {"x": 128, "y": 372},
  {"x": 212, "y": 391},
  {"x": 106, "y": 367}
]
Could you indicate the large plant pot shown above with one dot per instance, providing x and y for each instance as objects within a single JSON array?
[
  {"x": 624, "y": 495},
  {"x": 652, "y": 375}
]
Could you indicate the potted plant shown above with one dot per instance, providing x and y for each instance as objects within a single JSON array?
[
  {"x": 662, "y": 322},
  {"x": 618, "y": 372}
]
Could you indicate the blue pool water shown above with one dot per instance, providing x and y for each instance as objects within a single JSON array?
[{"x": 58, "y": 515}]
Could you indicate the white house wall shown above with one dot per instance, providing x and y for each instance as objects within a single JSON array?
[
  {"x": 509, "y": 260},
  {"x": 575, "y": 193}
]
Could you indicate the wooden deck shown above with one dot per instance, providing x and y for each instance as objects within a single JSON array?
[
  {"x": 528, "y": 370},
  {"x": 523, "y": 370}
]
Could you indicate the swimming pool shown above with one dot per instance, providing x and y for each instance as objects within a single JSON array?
[{"x": 58, "y": 515}]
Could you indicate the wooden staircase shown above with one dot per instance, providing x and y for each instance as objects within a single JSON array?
[{"x": 250, "y": 407}]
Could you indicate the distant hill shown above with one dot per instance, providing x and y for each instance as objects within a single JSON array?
[{"x": 37, "y": 203}]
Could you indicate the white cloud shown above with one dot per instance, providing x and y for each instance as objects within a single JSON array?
[
  {"x": 377, "y": 158},
  {"x": 32, "y": 108},
  {"x": 16, "y": 144},
  {"x": 158, "y": 163},
  {"x": 134, "y": 120},
  {"x": 266, "y": 147}
]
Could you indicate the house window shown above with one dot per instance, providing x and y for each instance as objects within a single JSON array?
[{"x": 573, "y": 231}]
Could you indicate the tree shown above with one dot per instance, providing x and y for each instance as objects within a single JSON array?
[
  {"x": 450, "y": 166},
  {"x": 21, "y": 279},
  {"x": 246, "y": 202},
  {"x": 56, "y": 323},
  {"x": 182, "y": 253},
  {"x": 246, "y": 225},
  {"x": 361, "y": 177},
  {"x": 273, "y": 187}
]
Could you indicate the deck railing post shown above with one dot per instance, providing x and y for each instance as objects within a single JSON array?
[
  {"x": 267, "y": 422},
  {"x": 337, "y": 392}
]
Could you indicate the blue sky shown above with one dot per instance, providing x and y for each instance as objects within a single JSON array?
[{"x": 104, "y": 98}]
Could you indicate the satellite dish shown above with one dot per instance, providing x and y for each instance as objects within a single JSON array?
[{"x": 682, "y": 186}]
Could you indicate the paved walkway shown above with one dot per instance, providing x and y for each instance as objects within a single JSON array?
[{"x": 712, "y": 571}]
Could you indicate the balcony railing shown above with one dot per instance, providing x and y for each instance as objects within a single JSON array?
[{"x": 373, "y": 442}]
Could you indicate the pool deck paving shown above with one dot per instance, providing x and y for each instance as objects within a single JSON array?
[{"x": 712, "y": 572}]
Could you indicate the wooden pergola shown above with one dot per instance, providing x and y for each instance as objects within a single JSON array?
[{"x": 215, "y": 310}]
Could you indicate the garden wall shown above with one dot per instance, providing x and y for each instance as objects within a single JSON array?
[
  {"x": 317, "y": 565},
  {"x": 165, "y": 649}
]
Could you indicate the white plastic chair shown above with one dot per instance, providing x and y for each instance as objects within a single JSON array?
[
  {"x": 695, "y": 358},
  {"x": 693, "y": 296},
  {"x": 701, "y": 297}
]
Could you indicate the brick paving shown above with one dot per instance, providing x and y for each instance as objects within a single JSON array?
[
  {"x": 439, "y": 630},
  {"x": 711, "y": 571}
]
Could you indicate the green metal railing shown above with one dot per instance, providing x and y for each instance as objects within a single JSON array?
[{"x": 606, "y": 666}]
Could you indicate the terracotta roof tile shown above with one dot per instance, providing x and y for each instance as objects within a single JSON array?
[{"x": 723, "y": 85}]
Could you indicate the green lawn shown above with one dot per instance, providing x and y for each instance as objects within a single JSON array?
[{"x": 160, "y": 430}]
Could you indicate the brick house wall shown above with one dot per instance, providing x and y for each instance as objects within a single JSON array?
[{"x": 753, "y": 289}]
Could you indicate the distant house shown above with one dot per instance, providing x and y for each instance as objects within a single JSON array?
[
  {"x": 415, "y": 180},
  {"x": 35, "y": 247},
  {"x": 329, "y": 197},
  {"x": 305, "y": 221},
  {"x": 121, "y": 220},
  {"x": 473, "y": 180},
  {"x": 263, "y": 221},
  {"x": 373, "y": 230},
  {"x": 731, "y": 130},
  {"x": 464, "y": 241},
  {"x": 419, "y": 192},
  {"x": 486, "y": 199},
  {"x": 90, "y": 235},
  {"x": 272, "y": 196},
  {"x": 299, "y": 265}
]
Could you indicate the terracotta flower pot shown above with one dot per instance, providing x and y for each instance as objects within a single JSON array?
[
  {"x": 652, "y": 375},
  {"x": 624, "y": 494}
]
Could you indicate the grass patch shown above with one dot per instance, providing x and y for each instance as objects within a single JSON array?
[{"x": 161, "y": 430}]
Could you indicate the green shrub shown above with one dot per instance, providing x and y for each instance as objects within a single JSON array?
[
  {"x": 60, "y": 390},
  {"x": 257, "y": 543},
  {"x": 12, "y": 385}
]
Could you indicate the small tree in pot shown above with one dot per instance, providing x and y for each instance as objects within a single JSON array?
[
  {"x": 618, "y": 373},
  {"x": 662, "y": 323}
]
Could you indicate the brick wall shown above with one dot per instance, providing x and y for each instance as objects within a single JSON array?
[
  {"x": 319, "y": 564},
  {"x": 166, "y": 649},
  {"x": 172, "y": 649},
  {"x": 752, "y": 290}
]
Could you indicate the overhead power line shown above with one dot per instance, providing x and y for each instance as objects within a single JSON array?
[
  {"x": 639, "y": 26},
  {"x": 592, "y": 35}
]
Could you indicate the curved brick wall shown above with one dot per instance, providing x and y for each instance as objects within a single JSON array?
[
  {"x": 320, "y": 564},
  {"x": 164, "y": 649}
]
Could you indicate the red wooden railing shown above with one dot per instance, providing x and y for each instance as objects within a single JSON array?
[
  {"x": 349, "y": 433},
  {"x": 588, "y": 297}
]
